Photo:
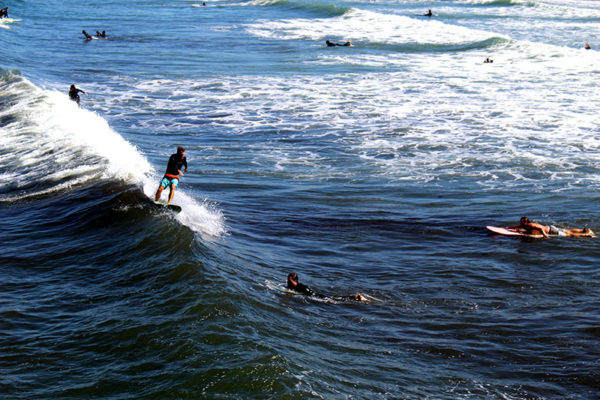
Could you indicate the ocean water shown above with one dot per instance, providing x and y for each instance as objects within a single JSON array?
[{"x": 372, "y": 169}]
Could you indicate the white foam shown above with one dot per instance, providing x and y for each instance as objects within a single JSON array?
[
  {"x": 437, "y": 116},
  {"x": 202, "y": 217},
  {"x": 369, "y": 26}
]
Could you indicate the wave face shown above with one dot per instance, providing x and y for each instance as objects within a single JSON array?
[{"x": 50, "y": 145}]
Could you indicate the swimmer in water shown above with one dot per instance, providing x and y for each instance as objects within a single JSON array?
[
  {"x": 429, "y": 14},
  {"x": 293, "y": 284}
]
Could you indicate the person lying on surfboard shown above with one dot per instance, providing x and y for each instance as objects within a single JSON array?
[
  {"x": 171, "y": 178},
  {"x": 429, "y": 14},
  {"x": 331, "y": 44},
  {"x": 533, "y": 228},
  {"x": 293, "y": 284}
]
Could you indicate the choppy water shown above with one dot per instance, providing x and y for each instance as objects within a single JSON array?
[{"x": 372, "y": 169}]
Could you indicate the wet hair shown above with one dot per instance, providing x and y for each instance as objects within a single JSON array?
[
  {"x": 524, "y": 220},
  {"x": 293, "y": 276},
  {"x": 180, "y": 150}
]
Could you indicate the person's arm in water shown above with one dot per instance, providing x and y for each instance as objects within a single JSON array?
[{"x": 357, "y": 297}]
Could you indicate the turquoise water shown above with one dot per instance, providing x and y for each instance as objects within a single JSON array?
[{"x": 373, "y": 169}]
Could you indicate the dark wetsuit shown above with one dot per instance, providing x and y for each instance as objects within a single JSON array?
[
  {"x": 174, "y": 165},
  {"x": 305, "y": 290},
  {"x": 300, "y": 288},
  {"x": 74, "y": 95}
]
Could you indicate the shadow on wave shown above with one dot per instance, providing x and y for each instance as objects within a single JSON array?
[{"x": 434, "y": 48}]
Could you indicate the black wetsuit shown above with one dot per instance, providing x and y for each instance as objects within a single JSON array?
[
  {"x": 174, "y": 165},
  {"x": 300, "y": 288},
  {"x": 305, "y": 290},
  {"x": 74, "y": 95}
]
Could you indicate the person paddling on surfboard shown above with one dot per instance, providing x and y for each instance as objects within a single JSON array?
[
  {"x": 331, "y": 44},
  {"x": 293, "y": 284},
  {"x": 533, "y": 228},
  {"x": 74, "y": 94},
  {"x": 171, "y": 178},
  {"x": 429, "y": 14}
]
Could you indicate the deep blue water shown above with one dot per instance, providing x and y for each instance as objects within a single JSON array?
[{"x": 373, "y": 169}]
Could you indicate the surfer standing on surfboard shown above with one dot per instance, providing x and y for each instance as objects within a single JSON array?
[
  {"x": 4, "y": 13},
  {"x": 533, "y": 228},
  {"x": 171, "y": 178},
  {"x": 74, "y": 94},
  {"x": 293, "y": 284}
]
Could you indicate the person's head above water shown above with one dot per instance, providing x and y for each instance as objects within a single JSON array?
[
  {"x": 524, "y": 220},
  {"x": 292, "y": 280}
]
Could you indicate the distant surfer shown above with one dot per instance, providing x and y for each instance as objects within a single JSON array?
[
  {"x": 488, "y": 61},
  {"x": 429, "y": 14},
  {"x": 587, "y": 46},
  {"x": 293, "y": 284},
  {"x": 101, "y": 34},
  {"x": 171, "y": 178},
  {"x": 331, "y": 44},
  {"x": 87, "y": 35},
  {"x": 74, "y": 94},
  {"x": 4, "y": 13},
  {"x": 533, "y": 228}
]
